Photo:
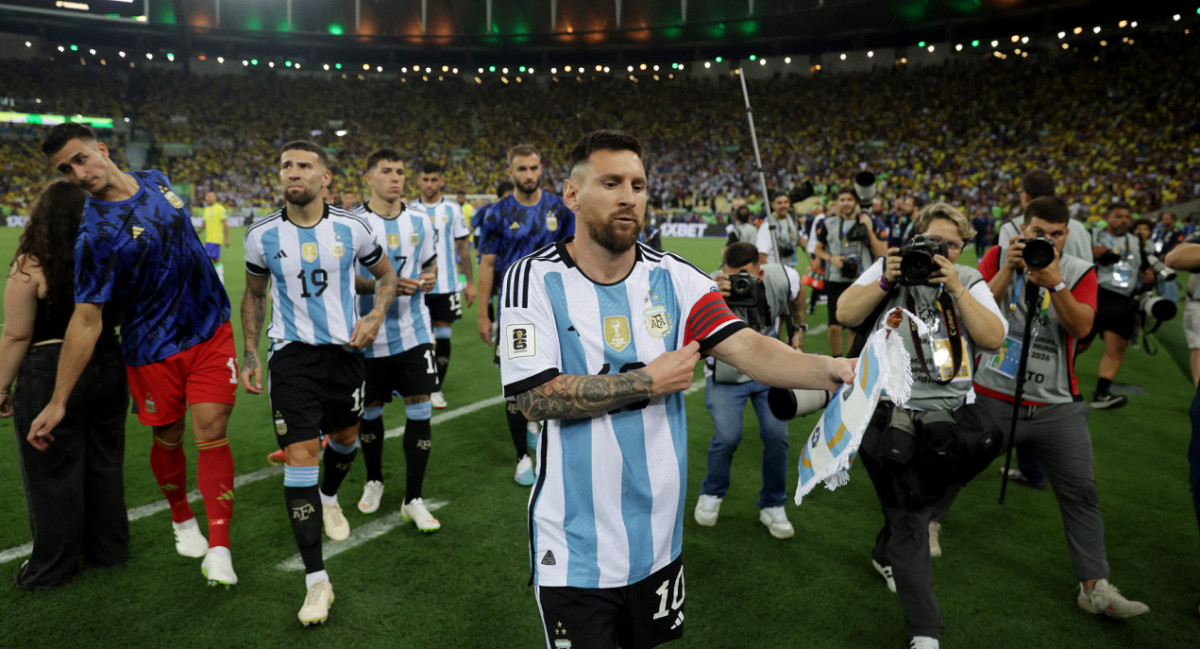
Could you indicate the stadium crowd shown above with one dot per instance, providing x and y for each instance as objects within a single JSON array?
[{"x": 962, "y": 132}]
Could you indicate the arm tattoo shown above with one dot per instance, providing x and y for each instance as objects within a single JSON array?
[
  {"x": 464, "y": 265},
  {"x": 254, "y": 312},
  {"x": 574, "y": 396},
  {"x": 385, "y": 291}
]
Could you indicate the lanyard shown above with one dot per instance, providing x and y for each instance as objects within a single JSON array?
[
  {"x": 1016, "y": 298},
  {"x": 950, "y": 315}
]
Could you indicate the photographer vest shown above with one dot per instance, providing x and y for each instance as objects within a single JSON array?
[
  {"x": 836, "y": 229},
  {"x": 1049, "y": 376},
  {"x": 745, "y": 233},
  {"x": 785, "y": 237},
  {"x": 1121, "y": 276},
  {"x": 926, "y": 393},
  {"x": 777, "y": 287}
]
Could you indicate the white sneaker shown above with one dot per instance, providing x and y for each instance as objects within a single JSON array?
[
  {"x": 218, "y": 567},
  {"x": 189, "y": 541},
  {"x": 336, "y": 525},
  {"x": 777, "y": 522},
  {"x": 707, "y": 509},
  {"x": 372, "y": 494},
  {"x": 414, "y": 511},
  {"x": 923, "y": 642},
  {"x": 935, "y": 546},
  {"x": 524, "y": 474},
  {"x": 886, "y": 573},
  {"x": 1107, "y": 600},
  {"x": 316, "y": 603},
  {"x": 438, "y": 400}
]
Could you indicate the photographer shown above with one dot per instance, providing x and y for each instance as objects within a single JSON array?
[
  {"x": 786, "y": 235},
  {"x": 1186, "y": 256},
  {"x": 1053, "y": 416},
  {"x": 1120, "y": 265},
  {"x": 761, "y": 296},
  {"x": 847, "y": 240},
  {"x": 742, "y": 229},
  {"x": 956, "y": 304}
]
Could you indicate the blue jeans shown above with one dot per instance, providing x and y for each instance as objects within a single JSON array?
[{"x": 725, "y": 403}]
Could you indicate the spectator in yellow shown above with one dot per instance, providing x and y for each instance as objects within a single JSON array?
[{"x": 216, "y": 231}]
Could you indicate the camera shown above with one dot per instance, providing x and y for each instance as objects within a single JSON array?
[
  {"x": 1154, "y": 307},
  {"x": 850, "y": 266},
  {"x": 789, "y": 404},
  {"x": 1160, "y": 269},
  {"x": 744, "y": 290},
  {"x": 802, "y": 192},
  {"x": 864, "y": 188},
  {"x": 1039, "y": 252},
  {"x": 916, "y": 260}
]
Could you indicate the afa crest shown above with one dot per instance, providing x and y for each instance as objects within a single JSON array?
[
  {"x": 414, "y": 239},
  {"x": 308, "y": 252},
  {"x": 551, "y": 221},
  {"x": 393, "y": 241},
  {"x": 658, "y": 322},
  {"x": 171, "y": 197},
  {"x": 616, "y": 332},
  {"x": 338, "y": 249}
]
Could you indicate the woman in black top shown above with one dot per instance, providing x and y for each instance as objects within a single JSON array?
[{"x": 75, "y": 487}]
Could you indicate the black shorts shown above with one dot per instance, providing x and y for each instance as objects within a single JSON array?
[
  {"x": 410, "y": 373},
  {"x": 833, "y": 291},
  {"x": 1115, "y": 313},
  {"x": 444, "y": 307},
  {"x": 314, "y": 388},
  {"x": 638, "y": 616}
]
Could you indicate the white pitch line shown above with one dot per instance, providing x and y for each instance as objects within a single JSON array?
[
  {"x": 135, "y": 513},
  {"x": 374, "y": 529}
]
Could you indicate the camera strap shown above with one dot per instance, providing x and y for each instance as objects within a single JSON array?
[{"x": 953, "y": 331}]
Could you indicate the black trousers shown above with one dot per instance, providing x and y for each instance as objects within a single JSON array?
[{"x": 75, "y": 489}]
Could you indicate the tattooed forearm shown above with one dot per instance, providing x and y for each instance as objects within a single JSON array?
[
  {"x": 385, "y": 291},
  {"x": 573, "y": 396},
  {"x": 364, "y": 285},
  {"x": 464, "y": 264},
  {"x": 254, "y": 312}
]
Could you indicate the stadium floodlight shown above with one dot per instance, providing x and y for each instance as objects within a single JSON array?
[
  {"x": 718, "y": 59},
  {"x": 74, "y": 48},
  {"x": 121, "y": 54},
  {"x": 341, "y": 132},
  {"x": 567, "y": 68},
  {"x": 640, "y": 67},
  {"x": 1175, "y": 18},
  {"x": 921, "y": 44},
  {"x": 455, "y": 70},
  {"x": 707, "y": 65},
  {"x": 337, "y": 66},
  {"x": 787, "y": 60},
  {"x": 1078, "y": 31},
  {"x": 1096, "y": 29},
  {"x": 170, "y": 56},
  {"x": 656, "y": 68},
  {"x": 762, "y": 61},
  {"x": 843, "y": 57},
  {"x": 287, "y": 64},
  {"x": 245, "y": 63},
  {"x": 1066, "y": 46},
  {"x": 930, "y": 48},
  {"x": 628, "y": 68},
  {"x": 504, "y": 70},
  {"x": 753, "y": 57},
  {"x": 1016, "y": 38},
  {"x": 975, "y": 43},
  {"x": 253, "y": 61},
  {"x": 271, "y": 64},
  {"x": 221, "y": 60},
  {"x": 995, "y": 43},
  {"x": 606, "y": 70},
  {"x": 61, "y": 48},
  {"x": 521, "y": 69},
  {"x": 871, "y": 54},
  {"x": 428, "y": 70},
  {"x": 958, "y": 47},
  {"x": 326, "y": 66},
  {"x": 599, "y": 68},
  {"x": 1025, "y": 39},
  {"x": 1123, "y": 24},
  {"x": 30, "y": 44},
  {"x": 366, "y": 66},
  {"x": 379, "y": 68},
  {"x": 1133, "y": 25},
  {"x": 1062, "y": 35},
  {"x": 446, "y": 68},
  {"x": 150, "y": 57},
  {"x": 92, "y": 51},
  {"x": 480, "y": 70},
  {"x": 531, "y": 70},
  {"x": 297, "y": 66},
  {"x": 553, "y": 70}
]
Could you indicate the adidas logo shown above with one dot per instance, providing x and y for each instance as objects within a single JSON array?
[
  {"x": 678, "y": 621},
  {"x": 228, "y": 495},
  {"x": 280, "y": 255},
  {"x": 548, "y": 560}
]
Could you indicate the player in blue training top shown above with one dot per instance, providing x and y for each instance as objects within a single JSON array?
[
  {"x": 136, "y": 248},
  {"x": 513, "y": 227},
  {"x": 307, "y": 253}
]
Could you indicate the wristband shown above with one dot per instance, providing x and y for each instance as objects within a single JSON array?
[
  {"x": 1058, "y": 287},
  {"x": 883, "y": 284}
]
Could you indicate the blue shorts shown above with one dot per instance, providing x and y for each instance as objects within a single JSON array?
[{"x": 213, "y": 250}]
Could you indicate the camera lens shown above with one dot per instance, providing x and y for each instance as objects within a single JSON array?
[
  {"x": 1039, "y": 253},
  {"x": 915, "y": 267}
]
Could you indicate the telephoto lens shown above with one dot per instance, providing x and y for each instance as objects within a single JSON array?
[
  {"x": 1039, "y": 252},
  {"x": 789, "y": 404}
]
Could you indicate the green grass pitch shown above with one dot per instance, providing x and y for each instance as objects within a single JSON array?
[{"x": 1005, "y": 579}]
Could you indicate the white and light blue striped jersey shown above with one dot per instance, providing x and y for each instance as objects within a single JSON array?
[
  {"x": 449, "y": 224},
  {"x": 607, "y": 508},
  {"x": 312, "y": 274},
  {"x": 407, "y": 241}
]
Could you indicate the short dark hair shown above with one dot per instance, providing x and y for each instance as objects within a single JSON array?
[
  {"x": 1047, "y": 208},
  {"x": 603, "y": 140},
  {"x": 432, "y": 168},
  {"x": 522, "y": 150},
  {"x": 505, "y": 187},
  {"x": 1143, "y": 221},
  {"x": 311, "y": 147},
  {"x": 742, "y": 214},
  {"x": 847, "y": 189},
  {"x": 1037, "y": 183},
  {"x": 65, "y": 132},
  {"x": 380, "y": 155},
  {"x": 1118, "y": 205},
  {"x": 739, "y": 254}
]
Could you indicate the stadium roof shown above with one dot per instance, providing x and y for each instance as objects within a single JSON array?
[{"x": 672, "y": 29}]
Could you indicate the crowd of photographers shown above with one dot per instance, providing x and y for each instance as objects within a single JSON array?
[{"x": 993, "y": 348}]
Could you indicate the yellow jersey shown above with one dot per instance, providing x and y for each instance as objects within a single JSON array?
[{"x": 214, "y": 217}]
